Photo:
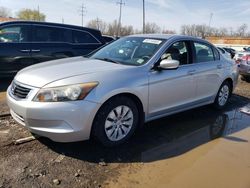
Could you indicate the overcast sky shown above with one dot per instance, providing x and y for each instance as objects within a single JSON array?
[{"x": 169, "y": 14}]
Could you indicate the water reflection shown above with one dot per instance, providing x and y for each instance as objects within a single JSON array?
[{"x": 164, "y": 138}]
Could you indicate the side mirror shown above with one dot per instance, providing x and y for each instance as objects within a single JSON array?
[
  {"x": 169, "y": 64},
  {"x": 245, "y": 49}
]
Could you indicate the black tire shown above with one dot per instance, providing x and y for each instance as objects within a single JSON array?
[
  {"x": 98, "y": 130},
  {"x": 217, "y": 104},
  {"x": 245, "y": 78}
]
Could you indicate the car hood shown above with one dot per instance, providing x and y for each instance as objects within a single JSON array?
[{"x": 44, "y": 73}]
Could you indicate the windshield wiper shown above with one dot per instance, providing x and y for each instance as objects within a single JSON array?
[{"x": 109, "y": 60}]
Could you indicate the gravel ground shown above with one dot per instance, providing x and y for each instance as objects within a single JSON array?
[{"x": 43, "y": 163}]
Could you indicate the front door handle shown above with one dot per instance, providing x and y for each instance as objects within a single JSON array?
[
  {"x": 35, "y": 50},
  {"x": 25, "y": 50},
  {"x": 219, "y": 66},
  {"x": 191, "y": 72}
]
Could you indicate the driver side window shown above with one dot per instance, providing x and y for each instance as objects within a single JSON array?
[
  {"x": 14, "y": 34},
  {"x": 177, "y": 51}
]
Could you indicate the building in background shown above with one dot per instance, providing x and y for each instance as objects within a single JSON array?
[{"x": 4, "y": 19}]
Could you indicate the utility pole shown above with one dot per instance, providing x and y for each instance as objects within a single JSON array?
[
  {"x": 98, "y": 21},
  {"x": 143, "y": 26},
  {"x": 121, "y": 3},
  {"x": 62, "y": 20},
  {"x": 210, "y": 19},
  {"x": 38, "y": 11},
  {"x": 82, "y": 12},
  {"x": 209, "y": 24}
]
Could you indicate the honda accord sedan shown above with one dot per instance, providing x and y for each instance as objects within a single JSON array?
[{"x": 108, "y": 95}]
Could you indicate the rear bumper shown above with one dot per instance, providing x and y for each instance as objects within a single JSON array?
[{"x": 244, "y": 69}]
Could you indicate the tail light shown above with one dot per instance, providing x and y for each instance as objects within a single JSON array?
[{"x": 246, "y": 58}]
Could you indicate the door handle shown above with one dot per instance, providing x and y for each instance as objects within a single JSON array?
[
  {"x": 25, "y": 50},
  {"x": 219, "y": 66},
  {"x": 191, "y": 72},
  {"x": 35, "y": 50}
]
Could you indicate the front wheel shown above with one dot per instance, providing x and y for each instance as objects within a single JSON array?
[
  {"x": 223, "y": 95},
  {"x": 116, "y": 121}
]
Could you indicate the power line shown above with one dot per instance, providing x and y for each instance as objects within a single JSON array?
[
  {"x": 83, "y": 12},
  {"x": 120, "y": 3}
]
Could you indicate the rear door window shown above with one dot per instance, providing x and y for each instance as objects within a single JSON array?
[
  {"x": 82, "y": 37},
  {"x": 216, "y": 54},
  {"x": 51, "y": 34},
  {"x": 14, "y": 34},
  {"x": 204, "y": 52}
]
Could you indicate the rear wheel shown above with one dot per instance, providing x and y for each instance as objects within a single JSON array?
[
  {"x": 223, "y": 95},
  {"x": 116, "y": 121}
]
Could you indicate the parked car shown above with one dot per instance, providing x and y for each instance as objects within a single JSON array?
[
  {"x": 244, "y": 67},
  {"x": 247, "y": 48},
  {"x": 231, "y": 51},
  {"x": 24, "y": 43},
  {"x": 108, "y": 39},
  {"x": 224, "y": 52},
  {"x": 132, "y": 80},
  {"x": 239, "y": 55}
]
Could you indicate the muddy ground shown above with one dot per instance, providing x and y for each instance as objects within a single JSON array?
[{"x": 43, "y": 163}]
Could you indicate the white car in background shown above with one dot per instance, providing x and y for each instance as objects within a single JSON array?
[{"x": 224, "y": 53}]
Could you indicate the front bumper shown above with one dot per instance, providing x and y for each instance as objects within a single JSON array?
[{"x": 59, "y": 121}]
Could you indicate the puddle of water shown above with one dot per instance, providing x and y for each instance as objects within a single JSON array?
[
  {"x": 2, "y": 96},
  {"x": 205, "y": 149}
]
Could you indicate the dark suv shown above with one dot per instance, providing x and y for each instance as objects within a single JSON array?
[{"x": 24, "y": 43}]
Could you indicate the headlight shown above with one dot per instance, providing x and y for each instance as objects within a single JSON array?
[{"x": 65, "y": 93}]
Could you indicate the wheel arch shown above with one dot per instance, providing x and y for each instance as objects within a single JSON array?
[
  {"x": 135, "y": 99},
  {"x": 230, "y": 81}
]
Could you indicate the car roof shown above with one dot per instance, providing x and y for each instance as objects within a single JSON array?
[
  {"x": 165, "y": 36},
  {"x": 172, "y": 37},
  {"x": 96, "y": 32},
  {"x": 50, "y": 24}
]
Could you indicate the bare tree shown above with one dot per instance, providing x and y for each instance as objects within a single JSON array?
[
  {"x": 98, "y": 24},
  {"x": 241, "y": 31},
  {"x": 127, "y": 30},
  {"x": 167, "y": 31},
  {"x": 4, "y": 12},
  {"x": 152, "y": 28},
  {"x": 112, "y": 28},
  {"x": 195, "y": 30}
]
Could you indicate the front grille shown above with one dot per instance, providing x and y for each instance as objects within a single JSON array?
[{"x": 19, "y": 91}]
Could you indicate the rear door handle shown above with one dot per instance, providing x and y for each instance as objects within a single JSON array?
[
  {"x": 25, "y": 51},
  {"x": 191, "y": 72},
  {"x": 35, "y": 50},
  {"x": 219, "y": 66}
]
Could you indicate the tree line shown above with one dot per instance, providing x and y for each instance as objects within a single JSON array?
[
  {"x": 111, "y": 28},
  {"x": 24, "y": 14}
]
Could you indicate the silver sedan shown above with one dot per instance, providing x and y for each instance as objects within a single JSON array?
[{"x": 116, "y": 89}]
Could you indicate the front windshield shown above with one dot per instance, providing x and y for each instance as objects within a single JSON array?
[{"x": 129, "y": 50}]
